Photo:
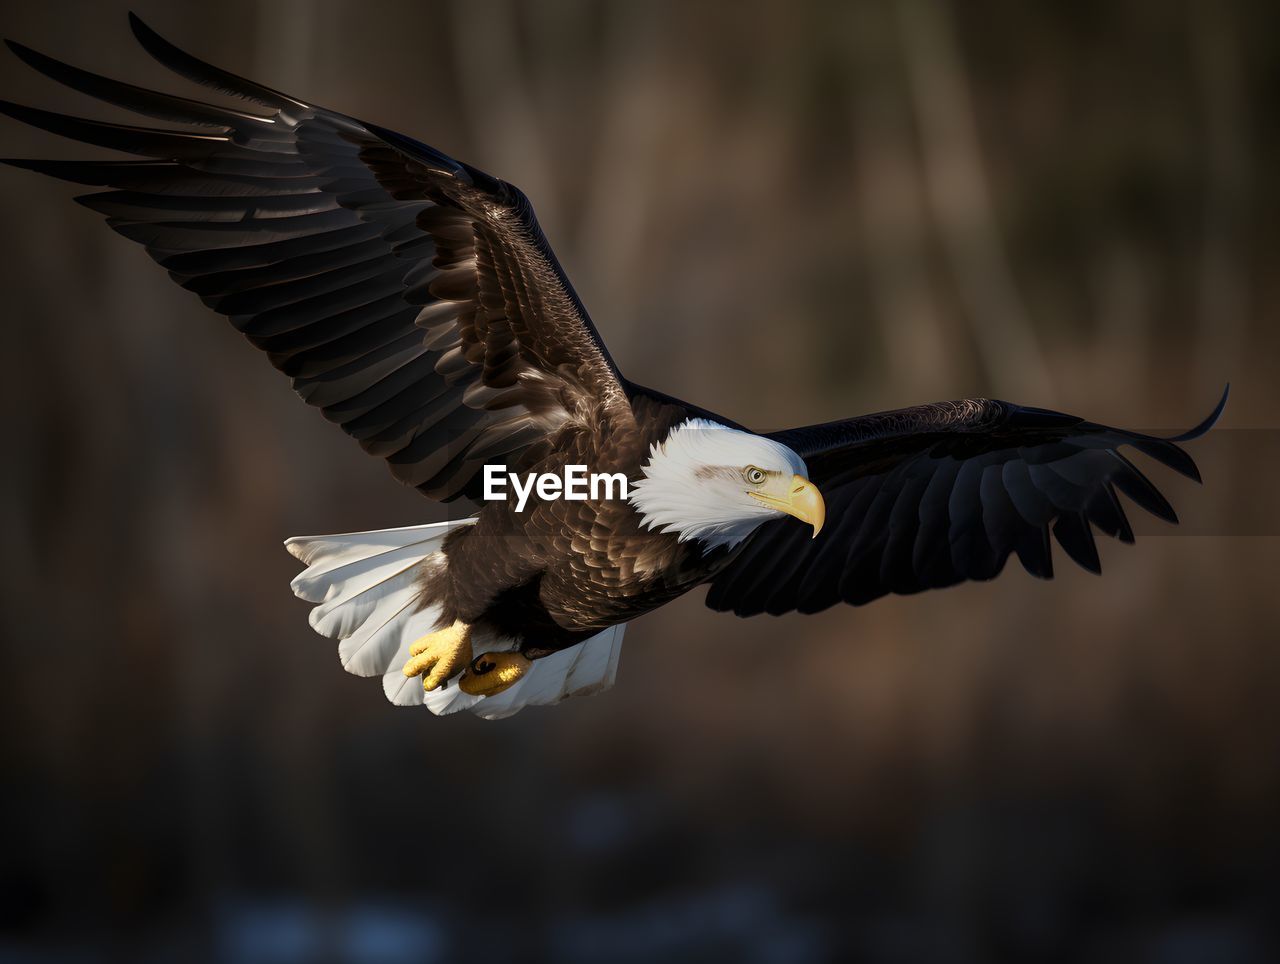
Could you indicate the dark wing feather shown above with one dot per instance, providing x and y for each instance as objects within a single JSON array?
[
  {"x": 930, "y": 496},
  {"x": 409, "y": 296}
]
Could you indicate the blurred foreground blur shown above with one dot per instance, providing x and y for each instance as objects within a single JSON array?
[{"x": 784, "y": 212}]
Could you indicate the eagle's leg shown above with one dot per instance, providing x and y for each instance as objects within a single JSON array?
[
  {"x": 438, "y": 657},
  {"x": 491, "y": 673}
]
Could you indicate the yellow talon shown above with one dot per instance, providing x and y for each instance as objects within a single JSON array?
[
  {"x": 491, "y": 673},
  {"x": 438, "y": 657}
]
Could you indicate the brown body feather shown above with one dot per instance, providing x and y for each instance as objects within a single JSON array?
[{"x": 561, "y": 570}]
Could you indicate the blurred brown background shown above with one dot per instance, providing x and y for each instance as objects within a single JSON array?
[{"x": 786, "y": 212}]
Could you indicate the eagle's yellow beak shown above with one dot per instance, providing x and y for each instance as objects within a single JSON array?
[{"x": 802, "y": 500}]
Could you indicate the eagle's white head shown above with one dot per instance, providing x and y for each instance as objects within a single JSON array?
[{"x": 716, "y": 484}]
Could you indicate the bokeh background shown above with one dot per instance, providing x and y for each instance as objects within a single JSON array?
[{"x": 788, "y": 212}]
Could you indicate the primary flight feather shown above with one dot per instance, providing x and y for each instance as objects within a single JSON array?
[{"x": 414, "y": 300}]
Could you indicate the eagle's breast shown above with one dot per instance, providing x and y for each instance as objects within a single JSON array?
[{"x": 562, "y": 570}]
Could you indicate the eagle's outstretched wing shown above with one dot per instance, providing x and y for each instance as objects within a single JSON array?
[
  {"x": 411, "y": 297},
  {"x": 934, "y": 495}
]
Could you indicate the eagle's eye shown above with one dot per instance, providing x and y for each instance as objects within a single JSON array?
[{"x": 754, "y": 475}]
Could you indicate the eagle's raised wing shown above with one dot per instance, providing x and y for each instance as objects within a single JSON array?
[
  {"x": 934, "y": 495},
  {"x": 411, "y": 297}
]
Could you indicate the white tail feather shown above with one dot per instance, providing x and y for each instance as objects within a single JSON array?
[{"x": 368, "y": 587}]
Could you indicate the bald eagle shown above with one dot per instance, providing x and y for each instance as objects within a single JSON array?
[{"x": 414, "y": 300}]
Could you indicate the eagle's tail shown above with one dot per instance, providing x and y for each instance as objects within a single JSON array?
[{"x": 368, "y": 586}]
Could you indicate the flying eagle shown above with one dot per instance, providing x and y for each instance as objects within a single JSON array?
[{"x": 414, "y": 300}]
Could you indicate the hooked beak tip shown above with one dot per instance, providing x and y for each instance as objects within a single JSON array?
[{"x": 807, "y": 504}]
